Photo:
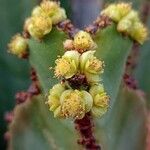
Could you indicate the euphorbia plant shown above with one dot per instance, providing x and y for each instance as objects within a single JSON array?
[{"x": 82, "y": 77}]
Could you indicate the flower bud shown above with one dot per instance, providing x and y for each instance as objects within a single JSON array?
[
  {"x": 39, "y": 26},
  {"x": 91, "y": 66},
  {"x": 83, "y": 41},
  {"x": 68, "y": 44},
  {"x": 67, "y": 65},
  {"x": 75, "y": 103},
  {"x": 18, "y": 46},
  {"x": 100, "y": 99}
]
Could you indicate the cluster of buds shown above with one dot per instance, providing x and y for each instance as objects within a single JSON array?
[
  {"x": 18, "y": 46},
  {"x": 128, "y": 21},
  {"x": 82, "y": 42},
  {"x": 43, "y": 17},
  {"x": 69, "y": 102}
]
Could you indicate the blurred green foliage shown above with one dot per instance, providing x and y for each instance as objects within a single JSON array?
[{"x": 14, "y": 73}]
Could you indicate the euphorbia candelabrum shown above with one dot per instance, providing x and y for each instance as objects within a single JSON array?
[{"x": 81, "y": 65}]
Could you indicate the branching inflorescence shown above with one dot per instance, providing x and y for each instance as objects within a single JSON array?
[{"x": 80, "y": 95}]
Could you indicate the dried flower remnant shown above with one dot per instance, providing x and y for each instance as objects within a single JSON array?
[{"x": 18, "y": 46}]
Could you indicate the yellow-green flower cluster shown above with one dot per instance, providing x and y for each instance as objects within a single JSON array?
[
  {"x": 42, "y": 18},
  {"x": 82, "y": 42},
  {"x": 18, "y": 46},
  {"x": 64, "y": 100},
  {"x": 74, "y": 104},
  {"x": 128, "y": 21},
  {"x": 72, "y": 62}
]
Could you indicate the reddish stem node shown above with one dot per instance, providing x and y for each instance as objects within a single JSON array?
[
  {"x": 101, "y": 22},
  {"x": 9, "y": 117},
  {"x": 68, "y": 27},
  {"x": 85, "y": 127}
]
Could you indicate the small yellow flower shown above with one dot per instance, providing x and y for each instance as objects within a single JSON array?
[
  {"x": 123, "y": 9},
  {"x": 37, "y": 11},
  {"x": 112, "y": 12},
  {"x": 117, "y": 11},
  {"x": 83, "y": 41},
  {"x": 18, "y": 46},
  {"x": 139, "y": 32},
  {"x": 39, "y": 26},
  {"x": 75, "y": 103},
  {"x": 132, "y": 25},
  {"x": 100, "y": 99},
  {"x": 49, "y": 8},
  {"x": 53, "y": 10},
  {"x": 91, "y": 66},
  {"x": 67, "y": 65},
  {"x": 54, "y": 99},
  {"x": 59, "y": 16},
  {"x": 125, "y": 25}
]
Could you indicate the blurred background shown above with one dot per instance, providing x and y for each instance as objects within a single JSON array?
[{"x": 14, "y": 73}]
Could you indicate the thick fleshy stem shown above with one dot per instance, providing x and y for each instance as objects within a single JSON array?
[
  {"x": 22, "y": 97},
  {"x": 132, "y": 60},
  {"x": 33, "y": 89},
  {"x": 85, "y": 127}
]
